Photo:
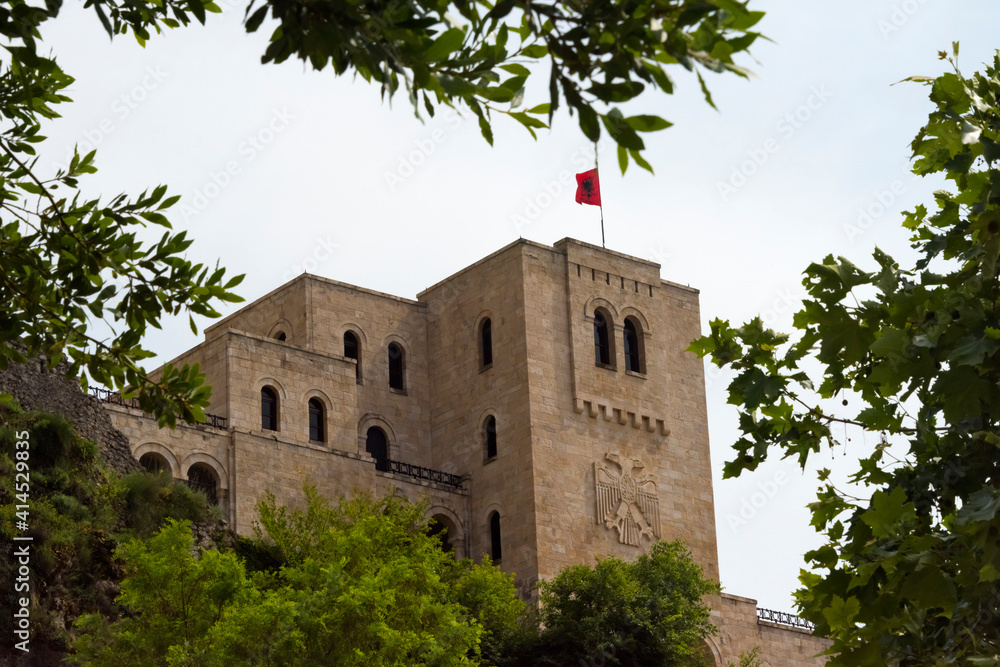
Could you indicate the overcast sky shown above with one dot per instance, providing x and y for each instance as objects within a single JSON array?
[{"x": 283, "y": 169}]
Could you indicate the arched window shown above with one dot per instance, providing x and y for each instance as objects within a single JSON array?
[
  {"x": 154, "y": 463},
  {"x": 317, "y": 420},
  {"x": 377, "y": 445},
  {"x": 602, "y": 338},
  {"x": 396, "y": 367},
  {"x": 635, "y": 360},
  {"x": 441, "y": 527},
  {"x": 280, "y": 336},
  {"x": 268, "y": 409},
  {"x": 201, "y": 477},
  {"x": 352, "y": 350},
  {"x": 490, "y": 438},
  {"x": 495, "y": 549},
  {"x": 486, "y": 343}
]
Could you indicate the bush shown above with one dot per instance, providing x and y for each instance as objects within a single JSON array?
[
  {"x": 80, "y": 511},
  {"x": 150, "y": 498},
  {"x": 647, "y": 612}
]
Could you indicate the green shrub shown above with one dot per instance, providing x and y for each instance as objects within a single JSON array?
[
  {"x": 150, "y": 499},
  {"x": 80, "y": 512},
  {"x": 53, "y": 441}
]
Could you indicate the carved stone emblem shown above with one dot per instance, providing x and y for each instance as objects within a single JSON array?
[{"x": 626, "y": 499}]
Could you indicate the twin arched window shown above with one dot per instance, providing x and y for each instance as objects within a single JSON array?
[
  {"x": 269, "y": 414},
  {"x": 604, "y": 351}
]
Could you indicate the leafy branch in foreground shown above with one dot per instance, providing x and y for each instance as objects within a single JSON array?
[
  {"x": 81, "y": 281},
  {"x": 477, "y": 54},
  {"x": 72, "y": 263},
  {"x": 909, "y": 574}
]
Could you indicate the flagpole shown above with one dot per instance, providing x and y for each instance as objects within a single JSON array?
[
  {"x": 602, "y": 202},
  {"x": 602, "y": 228}
]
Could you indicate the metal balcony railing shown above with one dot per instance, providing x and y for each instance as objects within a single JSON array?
[
  {"x": 419, "y": 472},
  {"x": 784, "y": 618},
  {"x": 107, "y": 396}
]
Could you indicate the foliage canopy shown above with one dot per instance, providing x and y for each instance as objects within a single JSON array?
[
  {"x": 647, "y": 612},
  {"x": 356, "y": 583},
  {"x": 78, "y": 510},
  {"x": 909, "y": 574},
  {"x": 71, "y": 260}
]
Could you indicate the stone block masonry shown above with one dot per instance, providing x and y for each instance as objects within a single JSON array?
[{"x": 551, "y": 380}]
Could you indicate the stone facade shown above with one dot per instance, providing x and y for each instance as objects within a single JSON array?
[{"x": 564, "y": 445}]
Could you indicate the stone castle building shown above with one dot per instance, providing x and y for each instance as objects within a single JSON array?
[{"x": 540, "y": 399}]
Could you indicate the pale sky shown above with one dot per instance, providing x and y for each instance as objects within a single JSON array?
[{"x": 283, "y": 169}]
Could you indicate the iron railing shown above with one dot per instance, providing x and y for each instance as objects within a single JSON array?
[
  {"x": 113, "y": 397},
  {"x": 208, "y": 488},
  {"x": 784, "y": 618},
  {"x": 420, "y": 472}
]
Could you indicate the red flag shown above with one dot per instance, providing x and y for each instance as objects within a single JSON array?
[{"x": 588, "y": 188}]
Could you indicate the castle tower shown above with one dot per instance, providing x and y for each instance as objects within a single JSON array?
[
  {"x": 590, "y": 389},
  {"x": 540, "y": 401}
]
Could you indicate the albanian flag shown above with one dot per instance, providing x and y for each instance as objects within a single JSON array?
[{"x": 588, "y": 188}]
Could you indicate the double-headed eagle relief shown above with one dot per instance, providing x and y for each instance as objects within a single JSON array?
[{"x": 626, "y": 499}]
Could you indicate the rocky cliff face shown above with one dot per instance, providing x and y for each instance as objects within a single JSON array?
[
  {"x": 75, "y": 529},
  {"x": 37, "y": 388}
]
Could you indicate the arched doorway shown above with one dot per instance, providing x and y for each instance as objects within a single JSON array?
[
  {"x": 377, "y": 445},
  {"x": 443, "y": 529},
  {"x": 154, "y": 463},
  {"x": 202, "y": 478}
]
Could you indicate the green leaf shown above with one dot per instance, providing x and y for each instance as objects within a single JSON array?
[
  {"x": 647, "y": 123},
  {"x": 622, "y": 158},
  {"x": 446, "y": 44},
  {"x": 535, "y": 51},
  {"x": 621, "y": 132},
  {"x": 516, "y": 69},
  {"x": 104, "y": 19},
  {"x": 639, "y": 160},
  {"x": 888, "y": 512},
  {"x": 840, "y": 614},
  {"x": 588, "y": 123},
  {"x": 929, "y": 588}
]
